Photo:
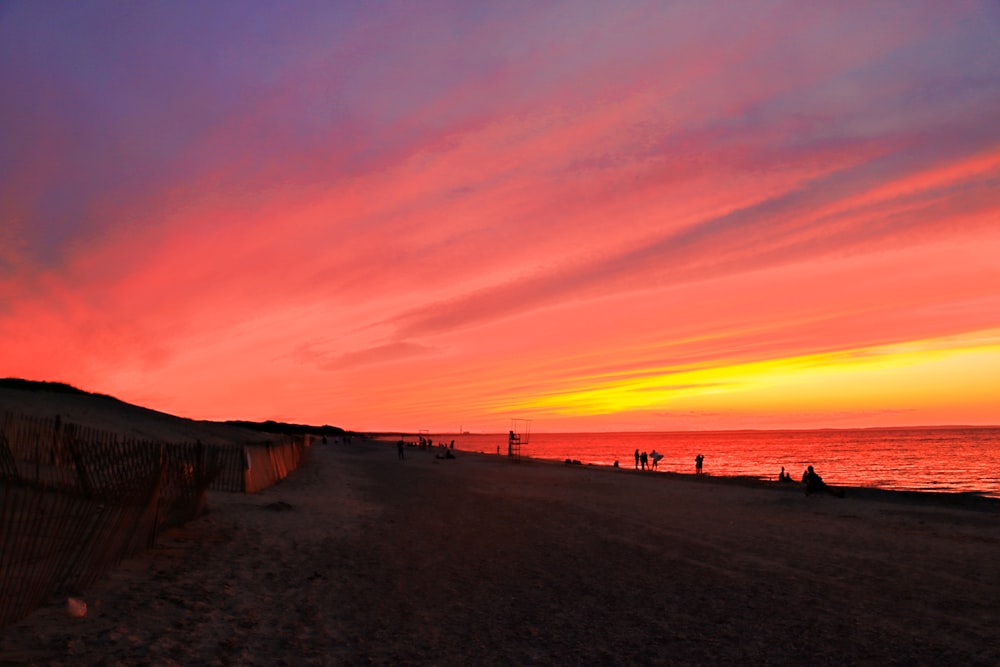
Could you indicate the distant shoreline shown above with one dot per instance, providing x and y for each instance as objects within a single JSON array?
[
  {"x": 109, "y": 413},
  {"x": 824, "y": 429},
  {"x": 948, "y": 497},
  {"x": 970, "y": 499},
  {"x": 978, "y": 500}
]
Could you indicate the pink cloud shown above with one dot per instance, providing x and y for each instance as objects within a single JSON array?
[{"x": 488, "y": 202}]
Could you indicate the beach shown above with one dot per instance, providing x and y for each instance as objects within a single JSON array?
[{"x": 361, "y": 558}]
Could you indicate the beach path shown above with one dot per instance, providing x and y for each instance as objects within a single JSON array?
[{"x": 359, "y": 558}]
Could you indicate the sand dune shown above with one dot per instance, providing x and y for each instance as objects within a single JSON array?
[
  {"x": 359, "y": 558},
  {"x": 107, "y": 414}
]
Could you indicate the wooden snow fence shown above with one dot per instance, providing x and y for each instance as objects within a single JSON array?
[{"x": 75, "y": 501}]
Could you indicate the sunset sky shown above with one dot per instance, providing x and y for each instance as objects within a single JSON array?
[{"x": 434, "y": 215}]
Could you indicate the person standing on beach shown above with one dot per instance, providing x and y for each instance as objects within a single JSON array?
[
  {"x": 643, "y": 458},
  {"x": 698, "y": 461},
  {"x": 399, "y": 447},
  {"x": 636, "y": 458}
]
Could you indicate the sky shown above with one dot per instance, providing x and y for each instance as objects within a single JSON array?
[{"x": 448, "y": 215}]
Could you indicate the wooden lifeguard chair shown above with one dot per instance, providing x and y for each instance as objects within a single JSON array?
[{"x": 520, "y": 433}]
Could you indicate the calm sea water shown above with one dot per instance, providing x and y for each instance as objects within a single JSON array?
[{"x": 920, "y": 459}]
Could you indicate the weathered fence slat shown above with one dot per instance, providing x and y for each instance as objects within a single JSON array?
[{"x": 76, "y": 500}]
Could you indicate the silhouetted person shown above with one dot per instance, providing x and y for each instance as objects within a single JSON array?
[
  {"x": 643, "y": 459},
  {"x": 636, "y": 458},
  {"x": 815, "y": 483},
  {"x": 399, "y": 448},
  {"x": 698, "y": 462}
]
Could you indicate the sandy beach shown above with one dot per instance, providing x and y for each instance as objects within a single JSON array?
[{"x": 360, "y": 558}]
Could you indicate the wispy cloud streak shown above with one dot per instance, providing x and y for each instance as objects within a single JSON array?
[{"x": 499, "y": 203}]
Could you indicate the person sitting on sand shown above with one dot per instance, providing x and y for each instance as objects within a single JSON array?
[{"x": 815, "y": 483}]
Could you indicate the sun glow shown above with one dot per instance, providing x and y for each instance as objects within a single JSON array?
[{"x": 918, "y": 373}]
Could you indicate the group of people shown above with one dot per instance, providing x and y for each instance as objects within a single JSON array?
[
  {"x": 814, "y": 484},
  {"x": 810, "y": 478},
  {"x": 644, "y": 460},
  {"x": 812, "y": 481},
  {"x": 651, "y": 460},
  {"x": 426, "y": 443}
]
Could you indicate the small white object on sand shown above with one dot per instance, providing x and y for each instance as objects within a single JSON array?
[{"x": 76, "y": 607}]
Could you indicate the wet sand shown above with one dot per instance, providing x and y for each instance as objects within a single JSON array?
[{"x": 359, "y": 558}]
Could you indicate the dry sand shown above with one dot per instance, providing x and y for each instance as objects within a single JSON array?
[{"x": 359, "y": 558}]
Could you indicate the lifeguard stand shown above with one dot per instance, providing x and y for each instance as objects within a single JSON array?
[{"x": 520, "y": 433}]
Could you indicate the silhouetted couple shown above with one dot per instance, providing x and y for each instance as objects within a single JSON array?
[{"x": 814, "y": 484}]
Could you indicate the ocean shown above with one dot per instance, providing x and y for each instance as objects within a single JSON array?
[{"x": 952, "y": 459}]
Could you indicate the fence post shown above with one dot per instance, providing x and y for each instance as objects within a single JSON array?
[
  {"x": 8, "y": 464},
  {"x": 81, "y": 469}
]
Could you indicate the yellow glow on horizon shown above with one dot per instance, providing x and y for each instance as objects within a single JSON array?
[{"x": 956, "y": 370}]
